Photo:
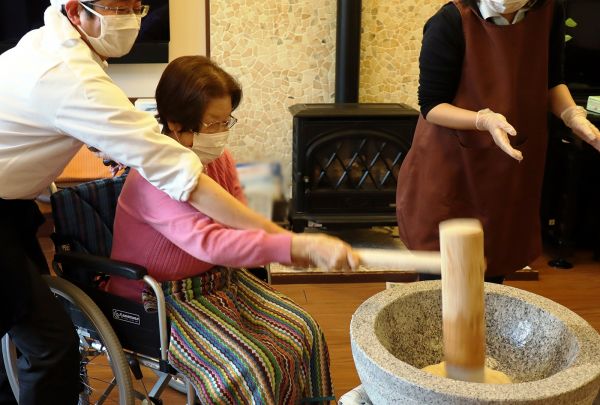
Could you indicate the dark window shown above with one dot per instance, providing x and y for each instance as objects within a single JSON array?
[{"x": 152, "y": 45}]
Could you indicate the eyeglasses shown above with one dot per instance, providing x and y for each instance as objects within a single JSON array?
[
  {"x": 141, "y": 10},
  {"x": 219, "y": 125}
]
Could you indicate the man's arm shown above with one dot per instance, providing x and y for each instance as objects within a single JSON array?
[{"x": 211, "y": 199}]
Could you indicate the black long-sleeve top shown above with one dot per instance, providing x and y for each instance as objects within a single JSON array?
[{"x": 443, "y": 49}]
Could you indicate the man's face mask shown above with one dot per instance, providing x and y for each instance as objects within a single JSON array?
[
  {"x": 209, "y": 147},
  {"x": 505, "y": 6},
  {"x": 117, "y": 33}
]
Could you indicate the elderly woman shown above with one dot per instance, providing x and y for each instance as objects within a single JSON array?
[{"x": 237, "y": 339}]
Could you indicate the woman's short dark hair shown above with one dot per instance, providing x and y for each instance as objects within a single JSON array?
[
  {"x": 474, "y": 3},
  {"x": 186, "y": 87}
]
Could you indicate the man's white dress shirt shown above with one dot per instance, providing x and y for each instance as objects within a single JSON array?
[{"x": 55, "y": 96}]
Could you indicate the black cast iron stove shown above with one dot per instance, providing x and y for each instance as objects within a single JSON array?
[{"x": 345, "y": 162}]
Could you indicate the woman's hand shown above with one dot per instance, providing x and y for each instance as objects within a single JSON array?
[
  {"x": 499, "y": 128},
  {"x": 575, "y": 117},
  {"x": 323, "y": 251}
]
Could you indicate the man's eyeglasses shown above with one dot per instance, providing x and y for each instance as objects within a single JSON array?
[
  {"x": 141, "y": 10},
  {"x": 219, "y": 125}
]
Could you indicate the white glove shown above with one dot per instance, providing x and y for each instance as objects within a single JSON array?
[
  {"x": 575, "y": 118},
  {"x": 325, "y": 252},
  {"x": 357, "y": 396},
  {"x": 499, "y": 128}
]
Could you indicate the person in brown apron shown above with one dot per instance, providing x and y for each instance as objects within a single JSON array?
[{"x": 490, "y": 70}]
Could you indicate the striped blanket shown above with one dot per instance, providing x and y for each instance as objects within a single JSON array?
[{"x": 241, "y": 342}]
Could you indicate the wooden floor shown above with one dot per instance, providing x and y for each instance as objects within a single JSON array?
[{"x": 333, "y": 305}]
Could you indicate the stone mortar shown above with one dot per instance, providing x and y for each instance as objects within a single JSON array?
[{"x": 551, "y": 353}]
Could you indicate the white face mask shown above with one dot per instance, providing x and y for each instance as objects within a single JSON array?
[
  {"x": 209, "y": 147},
  {"x": 117, "y": 33},
  {"x": 505, "y": 6}
]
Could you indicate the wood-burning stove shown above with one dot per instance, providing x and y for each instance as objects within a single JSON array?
[
  {"x": 346, "y": 155},
  {"x": 345, "y": 162}
]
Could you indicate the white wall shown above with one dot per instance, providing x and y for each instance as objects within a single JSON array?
[
  {"x": 137, "y": 80},
  {"x": 188, "y": 37}
]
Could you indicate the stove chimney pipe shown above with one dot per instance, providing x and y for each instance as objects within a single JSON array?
[{"x": 347, "y": 51}]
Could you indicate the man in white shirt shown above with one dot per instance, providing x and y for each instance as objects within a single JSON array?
[{"x": 54, "y": 97}]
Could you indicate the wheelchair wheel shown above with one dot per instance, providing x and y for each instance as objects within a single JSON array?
[
  {"x": 9, "y": 357},
  {"x": 104, "y": 369}
]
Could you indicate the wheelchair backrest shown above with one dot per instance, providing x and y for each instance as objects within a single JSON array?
[
  {"x": 84, "y": 215},
  {"x": 83, "y": 221}
]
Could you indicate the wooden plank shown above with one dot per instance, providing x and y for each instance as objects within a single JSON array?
[{"x": 349, "y": 277}]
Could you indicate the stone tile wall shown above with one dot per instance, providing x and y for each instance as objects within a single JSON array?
[
  {"x": 390, "y": 46},
  {"x": 283, "y": 53}
]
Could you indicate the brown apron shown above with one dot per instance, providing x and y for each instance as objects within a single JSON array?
[{"x": 462, "y": 174}]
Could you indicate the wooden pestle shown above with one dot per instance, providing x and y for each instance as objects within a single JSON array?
[
  {"x": 463, "y": 267},
  {"x": 400, "y": 260}
]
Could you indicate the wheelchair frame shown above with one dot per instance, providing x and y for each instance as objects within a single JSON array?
[
  {"x": 61, "y": 286},
  {"x": 79, "y": 292}
]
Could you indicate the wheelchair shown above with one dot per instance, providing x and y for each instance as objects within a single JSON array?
[{"x": 116, "y": 336}]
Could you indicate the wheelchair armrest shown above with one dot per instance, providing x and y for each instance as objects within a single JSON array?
[
  {"x": 92, "y": 263},
  {"x": 262, "y": 273}
]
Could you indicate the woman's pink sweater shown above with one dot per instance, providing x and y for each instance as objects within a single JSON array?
[{"x": 175, "y": 241}]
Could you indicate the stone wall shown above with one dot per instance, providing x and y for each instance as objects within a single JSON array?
[{"x": 390, "y": 46}]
